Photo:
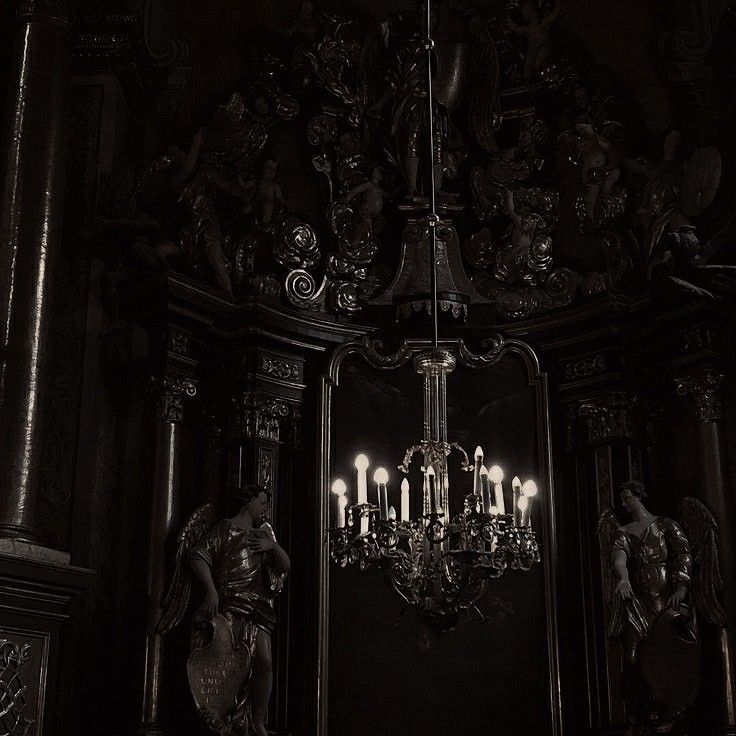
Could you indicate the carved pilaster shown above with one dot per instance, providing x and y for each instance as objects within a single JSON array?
[{"x": 704, "y": 393}]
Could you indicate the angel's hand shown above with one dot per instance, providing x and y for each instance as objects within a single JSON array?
[
  {"x": 212, "y": 603},
  {"x": 677, "y": 598},
  {"x": 624, "y": 589},
  {"x": 261, "y": 541}
]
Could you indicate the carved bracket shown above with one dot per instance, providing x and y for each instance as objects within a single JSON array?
[{"x": 171, "y": 392}]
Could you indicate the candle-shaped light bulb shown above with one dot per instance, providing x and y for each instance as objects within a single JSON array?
[
  {"x": 361, "y": 465},
  {"x": 516, "y": 488},
  {"x": 495, "y": 475},
  {"x": 430, "y": 472},
  {"x": 405, "y": 500},
  {"x": 342, "y": 504},
  {"x": 391, "y": 513},
  {"x": 476, "y": 475},
  {"x": 525, "y": 503},
  {"x": 339, "y": 488},
  {"x": 485, "y": 485},
  {"x": 380, "y": 478},
  {"x": 529, "y": 488}
]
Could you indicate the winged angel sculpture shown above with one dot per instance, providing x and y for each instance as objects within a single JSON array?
[
  {"x": 242, "y": 568},
  {"x": 659, "y": 576}
]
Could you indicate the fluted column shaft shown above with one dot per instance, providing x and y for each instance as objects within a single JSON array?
[
  {"x": 703, "y": 390},
  {"x": 30, "y": 237},
  {"x": 170, "y": 399}
]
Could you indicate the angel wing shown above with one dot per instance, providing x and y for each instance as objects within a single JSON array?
[
  {"x": 701, "y": 529},
  {"x": 607, "y": 527},
  {"x": 484, "y": 111},
  {"x": 153, "y": 182},
  {"x": 177, "y": 598},
  {"x": 235, "y": 136}
]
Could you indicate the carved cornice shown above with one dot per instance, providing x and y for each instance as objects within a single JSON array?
[
  {"x": 619, "y": 415},
  {"x": 56, "y": 11},
  {"x": 704, "y": 393},
  {"x": 258, "y": 416},
  {"x": 171, "y": 393}
]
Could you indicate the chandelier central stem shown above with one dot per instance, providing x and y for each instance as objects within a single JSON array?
[{"x": 433, "y": 219}]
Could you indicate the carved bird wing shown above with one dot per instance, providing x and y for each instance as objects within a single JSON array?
[
  {"x": 607, "y": 528},
  {"x": 177, "y": 597},
  {"x": 484, "y": 111},
  {"x": 701, "y": 529}
]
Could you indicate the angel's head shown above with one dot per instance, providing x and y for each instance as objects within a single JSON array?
[
  {"x": 632, "y": 495},
  {"x": 255, "y": 499},
  {"x": 270, "y": 169},
  {"x": 529, "y": 11}
]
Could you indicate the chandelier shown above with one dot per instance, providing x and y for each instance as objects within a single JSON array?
[{"x": 439, "y": 564}]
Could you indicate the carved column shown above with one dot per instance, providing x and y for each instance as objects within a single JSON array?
[
  {"x": 608, "y": 433},
  {"x": 30, "y": 234},
  {"x": 703, "y": 390},
  {"x": 171, "y": 394}
]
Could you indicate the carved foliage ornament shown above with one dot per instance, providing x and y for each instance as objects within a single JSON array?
[
  {"x": 704, "y": 392},
  {"x": 619, "y": 415},
  {"x": 257, "y": 416},
  {"x": 12, "y": 689},
  {"x": 171, "y": 392}
]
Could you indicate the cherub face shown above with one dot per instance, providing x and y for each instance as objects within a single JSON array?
[
  {"x": 529, "y": 11},
  {"x": 269, "y": 170},
  {"x": 261, "y": 105}
]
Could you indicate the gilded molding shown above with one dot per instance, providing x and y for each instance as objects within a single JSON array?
[{"x": 704, "y": 393}]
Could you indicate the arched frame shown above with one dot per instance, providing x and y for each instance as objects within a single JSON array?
[{"x": 371, "y": 351}]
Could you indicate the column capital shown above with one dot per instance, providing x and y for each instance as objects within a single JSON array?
[
  {"x": 703, "y": 390},
  {"x": 170, "y": 393},
  {"x": 615, "y": 416},
  {"x": 56, "y": 11},
  {"x": 258, "y": 416}
]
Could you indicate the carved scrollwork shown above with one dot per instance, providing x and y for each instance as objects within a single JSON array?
[
  {"x": 373, "y": 350},
  {"x": 494, "y": 347},
  {"x": 13, "y": 704},
  {"x": 171, "y": 393},
  {"x": 296, "y": 244},
  {"x": 302, "y": 290},
  {"x": 257, "y": 416}
]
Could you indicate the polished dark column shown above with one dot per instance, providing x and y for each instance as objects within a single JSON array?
[
  {"x": 703, "y": 389},
  {"x": 171, "y": 393},
  {"x": 30, "y": 235}
]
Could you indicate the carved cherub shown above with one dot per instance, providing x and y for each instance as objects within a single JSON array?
[
  {"x": 371, "y": 205},
  {"x": 267, "y": 193},
  {"x": 536, "y": 31},
  {"x": 656, "y": 574}
]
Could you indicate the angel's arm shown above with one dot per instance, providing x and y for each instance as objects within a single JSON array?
[
  {"x": 355, "y": 191},
  {"x": 281, "y": 560},
  {"x": 279, "y": 195}
]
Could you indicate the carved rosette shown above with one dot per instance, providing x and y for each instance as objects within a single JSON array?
[
  {"x": 171, "y": 393},
  {"x": 258, "y": 416},
  {"x": 704, "y": 392}
]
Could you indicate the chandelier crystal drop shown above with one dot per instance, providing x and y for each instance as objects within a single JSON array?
[{"x": 440, "y": 565}]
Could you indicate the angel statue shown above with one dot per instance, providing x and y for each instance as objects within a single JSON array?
[
  {"x": 466, "y": 74},
  {"x": 241, "y": 568},
  {"x": 658, "y": 577},
  {"x": 678, "y": 189}
]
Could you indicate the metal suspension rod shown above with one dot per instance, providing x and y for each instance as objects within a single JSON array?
[{"x": 433, "y": 218}]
